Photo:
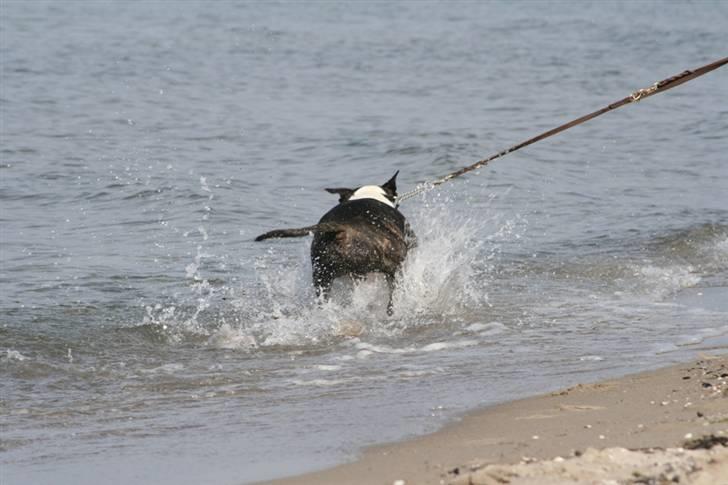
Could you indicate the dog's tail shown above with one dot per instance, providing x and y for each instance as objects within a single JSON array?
[{"x": 302, "y": 231}]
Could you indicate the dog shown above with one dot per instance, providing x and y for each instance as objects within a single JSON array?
[{"x": 364, "y": 233}]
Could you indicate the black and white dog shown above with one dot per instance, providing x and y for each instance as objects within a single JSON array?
[{"x": 365, "y": 233}]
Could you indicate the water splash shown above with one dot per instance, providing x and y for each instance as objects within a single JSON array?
[
  {"x": 438, "y": 277},
  {"x": 175, "y": 322},
  {"x": 443, "y": 279}
]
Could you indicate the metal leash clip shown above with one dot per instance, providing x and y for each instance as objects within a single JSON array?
[{"x": 644, "y": 92}]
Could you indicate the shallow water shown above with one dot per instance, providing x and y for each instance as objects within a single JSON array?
[{"x": 146, "y": 338}]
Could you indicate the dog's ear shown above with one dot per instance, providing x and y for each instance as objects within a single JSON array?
[
  {"x": 344, "y": 194},
  {"x": 391, "y": 185}
]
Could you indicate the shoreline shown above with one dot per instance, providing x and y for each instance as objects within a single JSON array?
[{"x": 657, "y": 409}]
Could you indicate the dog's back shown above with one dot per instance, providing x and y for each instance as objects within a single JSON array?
[
  {"x": 364, "y": 233},
  {"x": 371, "y": 237}
]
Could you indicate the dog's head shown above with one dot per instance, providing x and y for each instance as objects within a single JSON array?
[{"x": 386, "y": 193}]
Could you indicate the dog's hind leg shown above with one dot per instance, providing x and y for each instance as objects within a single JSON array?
[
  {"x": 322, "y": 281},
  {"x": 390, "y": 287},
  {"x": 322, "y": 290}
]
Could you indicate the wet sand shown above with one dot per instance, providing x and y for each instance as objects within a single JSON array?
[{"x": 576, "y": 435}]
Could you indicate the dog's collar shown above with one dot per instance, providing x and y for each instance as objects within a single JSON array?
[{"x": 372, "y": 192}]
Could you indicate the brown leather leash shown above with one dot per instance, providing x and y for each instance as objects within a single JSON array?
[{"x": 640, "y": 94}]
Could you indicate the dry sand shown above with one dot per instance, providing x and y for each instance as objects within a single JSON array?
[{"x": 583, "y": 434}]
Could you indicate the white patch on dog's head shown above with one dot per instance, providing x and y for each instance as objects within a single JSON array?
[{"x": 372, "y": 192}]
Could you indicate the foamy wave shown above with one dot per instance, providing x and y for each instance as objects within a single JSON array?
[
  {"x": 664, "y": 348},
  {"x": 721, "y": 246},
  {"x": 164, "y": 369},
  {"x": 591, "y": 358},
  {"x": 11, "y": 354},
  {"x": 717, "y": 251},
  {"x": 319, "y": 382},
  {"x": 700, "y": 336},
  {"x": 329, "y": 382},
  {"x": 663, "y": 281},
  {"x": 413, "y": 374},
  {"x": 227, "y": 337},
  {"x": 366, "y": 349},
  {"x": 382, "y": 349},
  {"x": 436, "y": 346},
  {"x": 487, "y": 329}
]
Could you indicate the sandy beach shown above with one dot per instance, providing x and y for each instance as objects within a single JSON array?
[{"x": 668, "y": 425}]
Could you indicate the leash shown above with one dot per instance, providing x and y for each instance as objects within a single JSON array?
[{"x": 640, "y": 94}]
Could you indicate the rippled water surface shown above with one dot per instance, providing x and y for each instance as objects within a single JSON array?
[{"x": 145, "y": 337}]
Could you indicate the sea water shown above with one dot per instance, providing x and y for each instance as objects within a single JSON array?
[{"x": 144, "y": 336}]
